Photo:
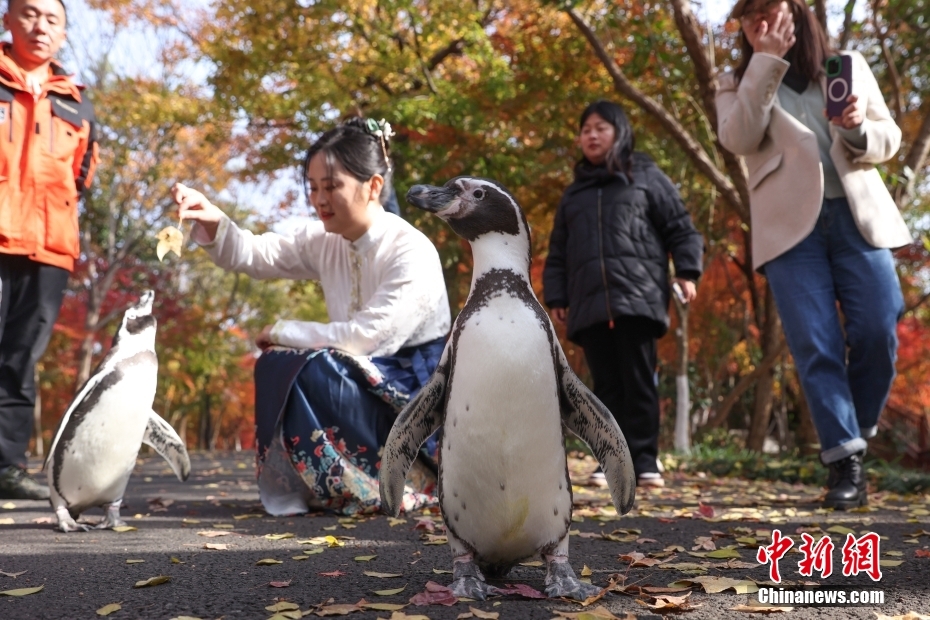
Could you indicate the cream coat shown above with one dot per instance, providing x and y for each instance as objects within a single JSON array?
[{"x": 783, "y": 160}]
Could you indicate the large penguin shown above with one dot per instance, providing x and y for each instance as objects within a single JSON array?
[
  {"x": 98, "y": 439},
  {"x": 502, "y": 393}
]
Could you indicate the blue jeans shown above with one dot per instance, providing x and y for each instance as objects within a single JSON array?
[{"x": 846, "y": 368}]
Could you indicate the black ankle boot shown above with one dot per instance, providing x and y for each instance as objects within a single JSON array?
[{"x": 846, "y": 484}]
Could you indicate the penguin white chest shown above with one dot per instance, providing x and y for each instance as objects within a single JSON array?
[
  {"x": 100, "y": 455},
  {"x": 504, "y": 480}
]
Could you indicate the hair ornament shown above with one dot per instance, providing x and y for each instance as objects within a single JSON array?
[{"x": 383, "y": 131}]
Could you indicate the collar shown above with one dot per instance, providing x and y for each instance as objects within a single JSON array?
[
  {"x": 375, "y": 233},
  {"x": 59, "y": 80}
]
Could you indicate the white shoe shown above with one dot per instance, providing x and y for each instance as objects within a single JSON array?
[
  {"x": 650, "y": 479},
  {"x": 598, "y": 479}
]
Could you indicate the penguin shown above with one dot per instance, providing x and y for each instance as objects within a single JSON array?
[
  {"x": 98, "y": 439},
  {"x": 502, "y": 393}
]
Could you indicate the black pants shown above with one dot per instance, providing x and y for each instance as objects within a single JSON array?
[
  {"x": 30, "y": 299},
  {"x": 623, "y": 364}
]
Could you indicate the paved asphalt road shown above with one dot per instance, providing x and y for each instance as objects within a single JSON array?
[{"x": 83, "y": 572}]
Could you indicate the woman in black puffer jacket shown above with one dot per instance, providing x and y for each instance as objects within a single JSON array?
[{"x": 607, "y": 273}]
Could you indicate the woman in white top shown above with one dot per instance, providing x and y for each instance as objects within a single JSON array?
[{"x": 327, "y": 394}]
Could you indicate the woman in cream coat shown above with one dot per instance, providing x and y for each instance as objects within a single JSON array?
[{"x": 823, "y": 223}]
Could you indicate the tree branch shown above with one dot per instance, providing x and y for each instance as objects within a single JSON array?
[
  {"x": 916, "y": 159},
  {"x": 847, "y": 24},
  {"x": 691, "y": 146},
  {"x": 745, "y": 382},
  {"x": 820, "y": 8}
]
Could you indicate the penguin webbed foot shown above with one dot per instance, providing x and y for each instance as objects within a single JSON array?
[
  {"x": 561, "y": 581},
  {"x": 468, "y": 582},
  {"x": 67, "y": 523},
  {"x": 112, "y": 519}
]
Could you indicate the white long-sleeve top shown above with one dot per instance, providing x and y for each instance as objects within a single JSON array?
[{"x": 384, "y": 291}]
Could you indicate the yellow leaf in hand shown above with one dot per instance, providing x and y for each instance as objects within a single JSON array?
[{"x": 170, "y": 239}]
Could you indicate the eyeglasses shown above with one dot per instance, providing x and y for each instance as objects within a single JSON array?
[{"x": 766, "y": 7}]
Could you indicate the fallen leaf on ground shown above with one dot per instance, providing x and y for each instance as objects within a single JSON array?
[
  {"x": 393, "y": 522},
  {"x": 224, "y": 526},
  {"x": 313, "y": 551},
  {"x": 441, "y": 571},
  {"x": 288, "y": 615},
  {"x": 7, "y": 521},
  {"x": 175, "y": 560},
  {"x": 598, "y": 613},
  {"x": 330, "y": 528},
  {"x": 896, "y": 554},
  {"x": 890, "y": 563},
  {"x": 399, "y": 615},
  {"x": 283, "y": 606},
  {"x": 391, "y": 592},
  {"x": 280, "y": 584},
  {"x": 8, "y": 506},
  {"x": 278, "y": 536},
  {"x": 737, "y": 564},
  {"x": 434, "y": 594},
  {"x": 327, "y": 541},
  {"x": 336, "y": 610},
  {"x": 213, "y": 534},
  {"x": 761, "y": 609},
  {"x": 248, "y": 516},
  {"x": 669, "y": 603},
  {"x": 920, "y": 553},
  {"x": 22, "y": 591},
  {"x": 372, "y": 573},
  {"x": 585, "y": 571},
  {"x": 479, "y": 613},
  {"x": 839, "y": 529},
  {"x": 713, "y": 584},
  {"x": 380, "y": 606},
  {"x": 190, "y": 521},
  {"x": 106, "y": 610},
  {"x": 522, "y": 589},
  {"x": 185, "y": 618},
  {"x": 152, "y": 581},
  {"x": 365, "y": 558},
  {"x": 911, "y": 615},
  {"x": 706, "y": 511},
  {"x": 124, "y": 528},
  {"x": 335, "y": 573},
  {"x": 268, "y": 562},
  {"x": 43, "y": 520},
  {"x": 170, "y": 239},
  {"x": 15, "y": 575},
  {"x": 135, "y": 561},
  {"x": 216, "y": 546},
  {"x": 432, "y": 539},
  {"x": 533, "y": 563},
  {"x": 705, "y": 543},
  {"x": 722, "y": 554}
]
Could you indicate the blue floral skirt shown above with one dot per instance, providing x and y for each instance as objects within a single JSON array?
[{"x": 322, "y": 418}]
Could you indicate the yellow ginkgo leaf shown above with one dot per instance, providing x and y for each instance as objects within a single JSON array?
[{"x": 170, "y": 239}]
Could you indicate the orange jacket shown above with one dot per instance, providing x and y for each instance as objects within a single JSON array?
[{"x": 48, "y": 152}]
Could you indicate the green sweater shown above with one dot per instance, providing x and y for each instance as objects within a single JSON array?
[{"x": 808, "y": 108}]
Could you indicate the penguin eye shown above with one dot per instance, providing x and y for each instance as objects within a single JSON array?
[{"x": 478, "y": 193}]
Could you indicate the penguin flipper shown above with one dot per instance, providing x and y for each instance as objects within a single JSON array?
[
  {"x": 164, "y": 440},
  {"x": 415, "y": 423},
  {"x": 586, "y": 416}
]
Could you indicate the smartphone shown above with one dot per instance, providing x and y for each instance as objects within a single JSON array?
[
  {"x": 680, "y": 294},
  {"x": 839, "y": 84}
]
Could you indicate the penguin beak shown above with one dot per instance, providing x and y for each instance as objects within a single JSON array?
[{"x": 431, "y": 198}]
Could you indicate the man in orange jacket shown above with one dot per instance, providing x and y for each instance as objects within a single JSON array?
[{"x": 48, "y": 152}]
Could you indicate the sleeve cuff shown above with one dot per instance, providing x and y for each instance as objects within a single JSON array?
[
  {"x": 855, "y": 137},
  {"x": 199, "y": 235}
]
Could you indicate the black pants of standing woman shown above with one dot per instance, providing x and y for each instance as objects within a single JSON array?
[{"x": 623, "y": 364}]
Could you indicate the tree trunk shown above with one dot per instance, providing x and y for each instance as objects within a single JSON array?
[
  {"x": 765, "y": 387},
  {"x": 37, "y": 417},
  {"x": 808, "y": 443},
  {"x": 206, "y": 430},
  {"x": 682, "y": 391}
]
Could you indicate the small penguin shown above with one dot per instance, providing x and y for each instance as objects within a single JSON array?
[
  {"x": 98, "y": 439},
  {"x": 502, "y": 392}
]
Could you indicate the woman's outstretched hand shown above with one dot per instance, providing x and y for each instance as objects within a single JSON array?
[
  {"x": 192, "y": 205},
  {"x": 263, "y": 339}
]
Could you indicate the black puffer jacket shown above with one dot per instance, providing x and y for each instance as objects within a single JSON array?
[{"x": 610, "y": 245}]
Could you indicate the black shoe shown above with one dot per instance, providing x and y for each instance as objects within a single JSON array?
[
  {"x": 15, "y": 484},
  {"x": 846, "y": 484}
]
